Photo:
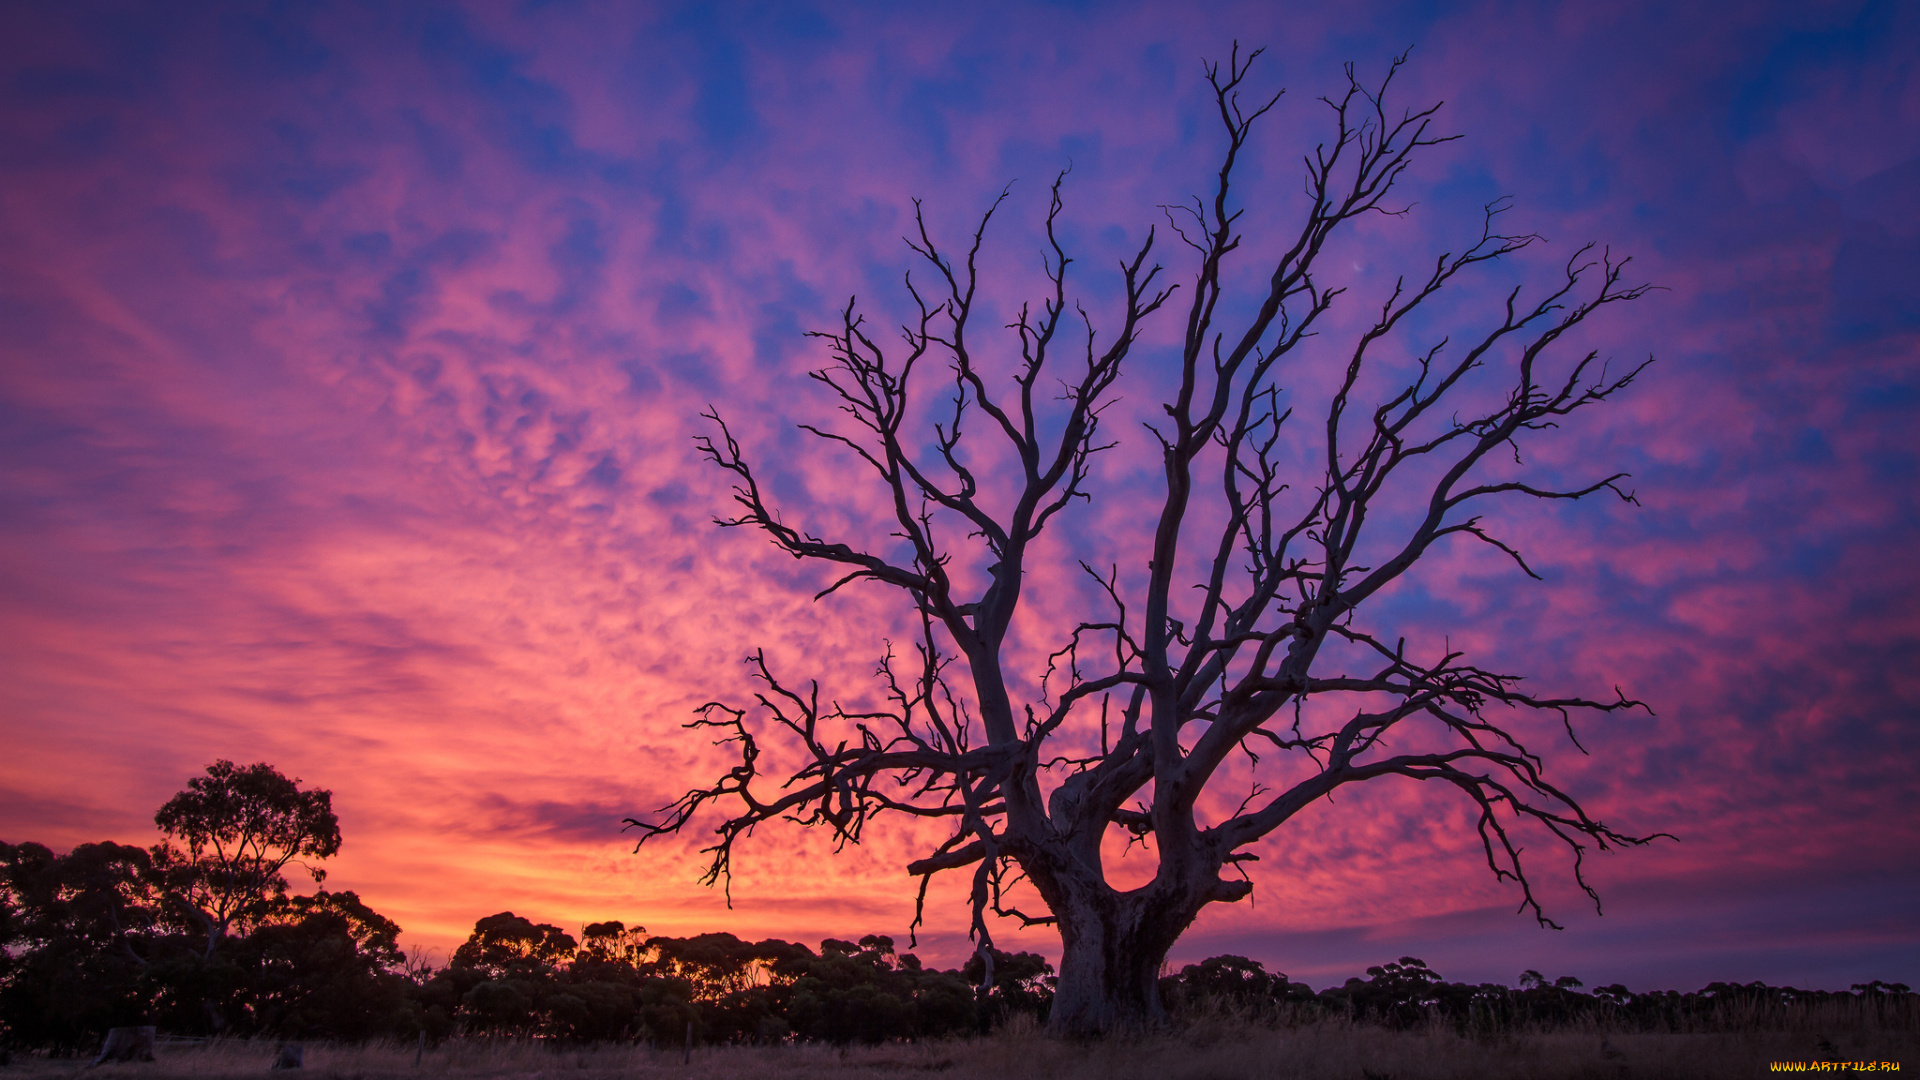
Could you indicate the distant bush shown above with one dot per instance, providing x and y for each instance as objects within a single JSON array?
[{"x": 1406, "y": 993}]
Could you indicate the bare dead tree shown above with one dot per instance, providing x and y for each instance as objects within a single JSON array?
[{"x": 1176, "y": 684}]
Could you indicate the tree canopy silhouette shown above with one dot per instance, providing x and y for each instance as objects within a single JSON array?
[
  {"x": 232, "y": 833},
  {"x": 507, "y": 942},
  {"x": 1247, "y": 601},
  {"x": 203, "y": 938}
]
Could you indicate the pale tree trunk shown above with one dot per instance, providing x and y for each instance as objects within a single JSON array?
[{"x": 1113, "y": 946}]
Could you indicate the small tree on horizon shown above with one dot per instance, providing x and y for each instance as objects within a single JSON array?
[{"x": 1142, "y": 708}]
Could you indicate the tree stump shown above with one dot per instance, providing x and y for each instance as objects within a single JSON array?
[
  {"x": 292, "y": 1056},
  {"x": 126, "y": 1044}
]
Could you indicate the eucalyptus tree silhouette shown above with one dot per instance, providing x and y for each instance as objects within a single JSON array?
[
  {"x": 506, "y": 942},
  {"x": 231, "y": 835},
  {"x": 1265, "y": 548}
]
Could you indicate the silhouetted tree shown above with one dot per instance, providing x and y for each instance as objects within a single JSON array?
[
  {"x": 612, "y": 943},
  {"x": 865, "y": 991},
  {"x": 1397, "y": 994},
  {"x": 320, "y": 966},
  {"x": 77, "y": 935},
  {"x": 1011, "y": 983},
  {"x": 109, "y": 934},
  {"x": 231, "y": 833},
  {"x": 1263, "y": 554},
  {"x": 516, "y": 976},
  {"x": 506, "y": 943},
  {"x": 709, "y": 965},
  {"x": 1230, "y": 982}
]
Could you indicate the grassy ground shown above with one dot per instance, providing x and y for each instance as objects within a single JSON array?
[{"x": 1332, "y": 1050}]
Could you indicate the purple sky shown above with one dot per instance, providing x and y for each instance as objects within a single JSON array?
[{"x": 350, "y": 358}]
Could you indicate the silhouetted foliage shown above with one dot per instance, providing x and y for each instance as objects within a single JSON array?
[
  {"x": 866, "y": 992},
  {"x": 1021, "y": 983},
  {"x": 514, "y": 977},
  {"x": 1397, "y": 994},
  {"x": 1231, "y": 982},
  {"x": 1406, "y": 993},
  {"x": 78, "y": 935},
  {"x": 508, "y": 944},
  {"x": 89, "y": 940},
  {"x": 325, "y": 965},
  {"x": 84, "y": 950},
  {"x": 231, "y": 833},
  {"x": 611, "y": 945},
  {"x": 712, "y": 966}
]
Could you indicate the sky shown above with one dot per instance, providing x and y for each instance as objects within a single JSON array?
[{"x": 351, "y": 358}]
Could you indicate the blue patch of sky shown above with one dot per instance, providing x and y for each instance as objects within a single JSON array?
[
  {"x": 1895, "y": 465},
  {"x": 1890, "y": 197},
  {"x": 131, "y": 43},
  {"x": 1157, "y": 68},
  {"x": 284, "y": 164},
  {"x": 713, "y": 46},
  {"x": 677, "y": 229},
  {"x": 455, "y": 247},
  {"x": 641, "y": 380},
  {"x": 1412, "y": 606},
  {"x": 26, "y": 324},
  {"x": 1796, "y": 65},
  {"x": 927, "y": 101},
  {"x": 372, "y": 246},
  {"x": 784, "y": 463},
  {"x": 578, "y": 258},
  {"x": 604, "y": 473},
  {"x": 781, "y": 323},
  {"x": 528, "y": 117},
  {"x": 47, "y": 84},
  {"x": 1881, "y": 397},
  {"x": 511, "y": 404},
  {"x": 1875, "y": 286},
  {"x": 693, "y": 369},
  {"x": 83, "y": 97},
  {"x": 583, "y": 249},
  {"x": 403, "y": 297},
  {"x": 777, "y": 334},
  {"x": 438, "y": 147},
  {"x": 1369, "y": 44},
  {"x": 424, "y": 368},
  {"x": 723, "y": 106},
  {"x": 1811, "y": 447},
  {"x": 272, "y": 40},
  {"x": 672, "y": 493},
  {"x": 406, "y": 293},
  {"x": 679, "y": 301}
]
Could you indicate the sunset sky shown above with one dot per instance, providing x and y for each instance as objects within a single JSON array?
[{"x": 351, "y": 358}]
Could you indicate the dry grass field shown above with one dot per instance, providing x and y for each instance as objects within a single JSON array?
[{"x": 1208, "y": 1051}]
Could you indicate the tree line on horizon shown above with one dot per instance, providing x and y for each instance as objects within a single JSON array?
[{"x": 200, "y": 936}]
